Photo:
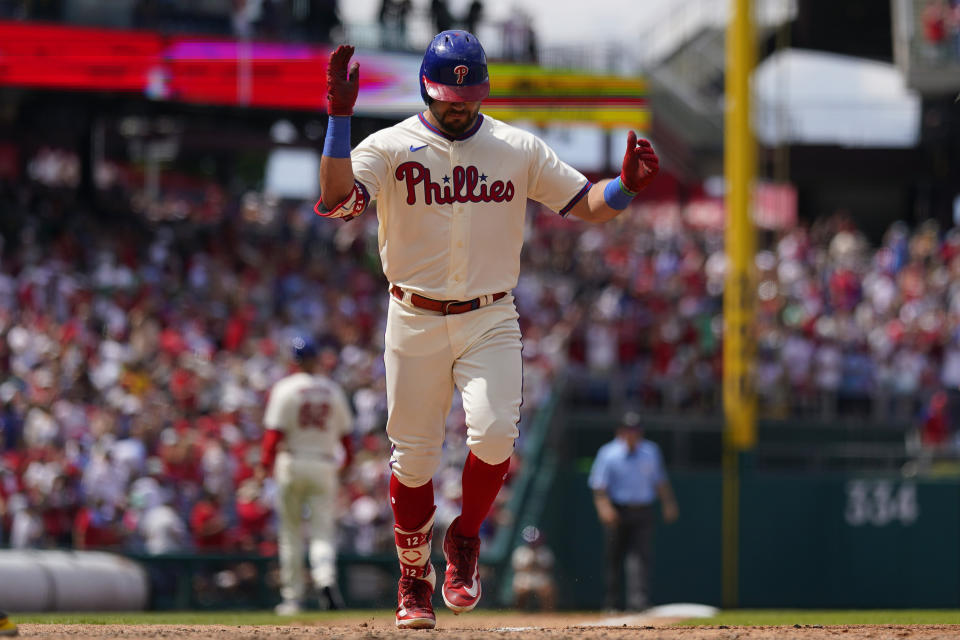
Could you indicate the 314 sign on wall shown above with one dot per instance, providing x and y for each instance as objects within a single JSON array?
[{"x": 880, "y": 503}]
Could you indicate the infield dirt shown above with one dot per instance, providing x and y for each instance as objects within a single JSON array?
[{"x": 508, "y": 626}]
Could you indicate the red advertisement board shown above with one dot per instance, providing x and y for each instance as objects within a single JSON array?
[
  {"x": 189, "y": 68},
  {"x": 50, "y": 56}
]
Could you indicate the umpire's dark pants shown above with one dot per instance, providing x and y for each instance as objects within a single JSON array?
[{"x": 629, "y": 544}]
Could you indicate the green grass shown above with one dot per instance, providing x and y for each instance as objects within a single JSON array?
[
  {"x": 781, "y": 617},
  {"x": 231, "y": 618}
]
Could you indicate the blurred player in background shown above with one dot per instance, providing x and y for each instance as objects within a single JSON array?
[
  {"x": 451, "y": 187},
  {"x": 307, "y": 441},
  {"x": 627, "y": 477},
  {"x": 7, "y": 626}
]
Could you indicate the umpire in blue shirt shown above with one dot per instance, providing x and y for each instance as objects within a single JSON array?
[{"x": 627, "y": 477}]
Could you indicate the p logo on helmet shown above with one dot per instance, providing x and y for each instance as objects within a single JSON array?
[
  {"x": 303, "y": 348},
  {"x": 454, "y": 69}
]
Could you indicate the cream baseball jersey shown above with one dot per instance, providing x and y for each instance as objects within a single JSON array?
[
  {"x": 313, "y": 414},
  {"x": 451, "y": 210}
]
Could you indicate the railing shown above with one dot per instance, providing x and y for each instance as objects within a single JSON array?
[
  {"x": 695, "y": 442},
  {"x": 677, "y": 24},
  {"x": 532, "y": 514},
  {"x": 636, "y": 385},
  {"x": 683, "y": 55},
  {"x": 528, "y": 499}
]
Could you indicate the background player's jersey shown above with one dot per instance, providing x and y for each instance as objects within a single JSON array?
[
  {"x": 313, "y": 414},
  {"x": 452, "y": 211}
]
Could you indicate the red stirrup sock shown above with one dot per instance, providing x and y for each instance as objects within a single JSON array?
[
  {"x": 481, "y": 484},
  {"x": 411, "y": 505}
]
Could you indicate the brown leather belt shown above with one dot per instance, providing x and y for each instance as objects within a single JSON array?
[{"x": 446, "y": 307}]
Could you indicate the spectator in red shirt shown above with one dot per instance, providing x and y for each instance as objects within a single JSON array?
[
  {"x": 208, "y": 524},
  {"x": 96, "y": 527},
  {"x": 253, "y": 516},
  {"x": 936, "y": 424},
  {"x": 934, "y": 20},
  {"x": 59, "y": 512}
]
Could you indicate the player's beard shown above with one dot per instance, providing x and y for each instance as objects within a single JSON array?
[{"x": 455, "y": 122}]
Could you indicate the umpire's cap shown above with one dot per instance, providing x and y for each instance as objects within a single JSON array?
[
  {"x": 631, "y": 420},
  {"x": 303, "y": 347}
]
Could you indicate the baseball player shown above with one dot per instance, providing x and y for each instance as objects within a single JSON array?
[
  {"x": 451, "y": 186},
  {"x": 308, "y": 413}
]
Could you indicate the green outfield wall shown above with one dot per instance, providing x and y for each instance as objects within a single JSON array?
[{"x": 806, "y": 540}]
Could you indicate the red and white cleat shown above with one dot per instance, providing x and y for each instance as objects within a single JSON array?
[
  {"x": 461, "y": 584},
  {"x": 415, "y": 602}
]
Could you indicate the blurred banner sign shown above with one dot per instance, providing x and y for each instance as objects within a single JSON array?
[
  {"x": 204, "y": 70},
  {"x": 774, "y": 208},
  {"x": 525, "y": 92},
  {"x": 223, "y": 71}
]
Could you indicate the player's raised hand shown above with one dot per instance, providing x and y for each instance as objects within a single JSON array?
[
  {"x": 640, "y": 164},
  {"x": 342, "y": 86}
]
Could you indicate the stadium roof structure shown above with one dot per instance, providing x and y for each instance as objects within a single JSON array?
[{"x": 813, "y": 97}]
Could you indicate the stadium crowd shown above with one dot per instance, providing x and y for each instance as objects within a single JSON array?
[
  {"x": 137, "y": 349},
  {"x": 136, "y": 359}
]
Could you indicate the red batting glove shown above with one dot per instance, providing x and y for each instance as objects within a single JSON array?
[
  {"x": 640, "y": 164},
  {"x": 342, "y": 88}
]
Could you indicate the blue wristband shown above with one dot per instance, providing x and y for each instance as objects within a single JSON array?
[
  {"x": 337, "y": 142},
  {"x": 617, "y": 196}
]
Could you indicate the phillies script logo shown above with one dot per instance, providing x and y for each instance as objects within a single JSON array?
[
  {"x": 461, "y": 70},
  {"x": 468, "y": 186}
]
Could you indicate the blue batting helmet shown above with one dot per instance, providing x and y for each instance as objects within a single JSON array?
[
  {"x": 302, "y": 348},
  {"x": 454, "y": 68}
]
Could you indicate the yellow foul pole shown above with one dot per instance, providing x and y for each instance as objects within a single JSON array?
[{"x": 739, "y": 167}]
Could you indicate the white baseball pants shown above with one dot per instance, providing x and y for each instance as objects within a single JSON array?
[
  {"x": 306, "y": 483},
  {"x": 425, "y": 355}
]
